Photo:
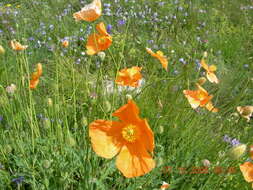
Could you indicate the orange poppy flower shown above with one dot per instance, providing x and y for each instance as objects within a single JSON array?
[
  {"x": 245, "y": 111},
  {"x": 65, "y": 43},
  {"x": 129, "y": 77},
  {"x": 36, "y": 76},
  {"x": 90, "y": 12},
  {"x": 247, "y": 171},
  {"x": 159, "y": 55},
  {"x": 209, "y": 71},
  {"x": 200, "y": 97},
  {"x": 17, "y": 46},
  {"x": 98, "y": 41},
  {"x": 131, "y": 139}
]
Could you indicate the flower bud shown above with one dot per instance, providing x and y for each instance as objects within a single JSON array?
[
  {"x": 101, "y": 55},
  {"x": 49, "y": 102},
  {"x": 129, "y": 97},
  {"x": 2, "y": 50}
]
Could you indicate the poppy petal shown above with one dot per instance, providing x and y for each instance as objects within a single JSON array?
[
  {"x": 102, "y": 139},
  {"x": 247, "y": 171},
  {"x": 190, "y": 94},
  {"x": 134, "y": 161},
  {"x": 128, "y": 112},
  {"x": 102, "y": 29},
  {"x": 90, "y": 12},
  {"x": 147, "y": 135},
  {"x": 212, "y": 77},
  {"x": 204, "y": 65},
  {"x": 210, "y": 107},
  {"x": 212, "y": 68}
]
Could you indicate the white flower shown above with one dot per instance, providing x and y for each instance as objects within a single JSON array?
[{"x": 11, "y": 89}]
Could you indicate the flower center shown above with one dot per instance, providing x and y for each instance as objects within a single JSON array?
[
  {"x": 130, "y": 133},
  {"x": 102, "y": 40}
]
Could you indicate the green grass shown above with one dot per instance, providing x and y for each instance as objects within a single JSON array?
[{"x": 49, "y": 144}]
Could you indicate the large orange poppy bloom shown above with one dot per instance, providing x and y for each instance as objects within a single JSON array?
[
  {"x": 210, "y": 71},
  {"x": 247, "y": 171},
  {"x": 130, "y": 138},
  {"x": 17, "y": 46},
  {"x": 98, "y": 41},
  {"x": 90, "y": 12},
  {"x": 36, "y": 76},
  {"x": 129, "y": 77},
  {"x": 199, "y": 97},
  {"x": 159, "y": 55}
]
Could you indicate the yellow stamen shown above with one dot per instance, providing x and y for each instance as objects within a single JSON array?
[{"x": 130, "y": 133}]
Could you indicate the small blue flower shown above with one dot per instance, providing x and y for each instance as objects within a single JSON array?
[
  {"x": 121, "y": 22},
  {"x": 18, "y": 180},
  {"x": 109, "y": 28}
]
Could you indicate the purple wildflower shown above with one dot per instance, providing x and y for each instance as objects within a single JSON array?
[
  {"x": 18, "y": 180},
  {"x": 121, "y": 22},
  {"x": 232, "y": 142},
  {"x": 109, "y": 28}
]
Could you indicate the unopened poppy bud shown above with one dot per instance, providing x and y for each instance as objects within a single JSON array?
[
  {"x": 8, "y": 149},
  {"x": 129, "y": 97},
  {"x": 49, "y": 102},
  {"x": 237, "y": 151},
  {"x": 84, "y": 121},
  {"x": 161, "y": 129},
  {"x": 65, "y": 43},
  {"x": 46, "y": 164},
  {"x": 71, "y": 141},
  {"x": 205, "y": 54},
  {"x": 101, "y": 55},
  {"x": 107, "y": 106},
  {"x": 201, "y": 80},
  {"x": 206, "y": 163},
  {"x": 2, "y": 50},
  {"x": 46, "y": 123}
]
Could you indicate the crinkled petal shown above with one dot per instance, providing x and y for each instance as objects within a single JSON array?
[
  {"x": 204, "y": 65},
  {"x": 191, "y": 97},
  {"x": 128, "y": 113},
  {"x": 90, "y": 12},
  {"x": 247, "y": 171},
  {"x": 104, "y": 143},
  {"x": 134, "y": 160},
  {"x": 147, "y": 136},
  {"x": 212, "y": 77}
]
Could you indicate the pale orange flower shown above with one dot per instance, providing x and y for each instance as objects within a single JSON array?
[
  {"x": 159, "y": 55},
  {"x": 245, "y": 111},
  {"x": 210, "y": 71},
  {"x": 200, "y": 97},
  {"x": 65, "y": 43},
  {"x": 98, "y": 41},
  {"x": 129, "y": 77},
  {"x": 17, "y": 46},
  {"x": 131, "y": 139},
  {"x": 36, "y": 76},
  {"x": 247, "y": 171},
  {"x": 164, "y": 186},
  {"x": 90, "y": 12}
]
